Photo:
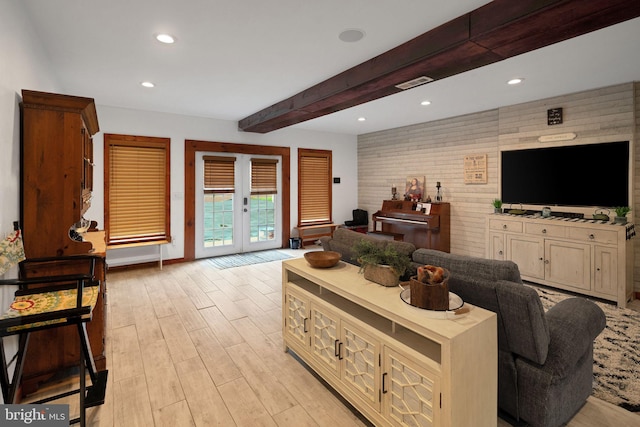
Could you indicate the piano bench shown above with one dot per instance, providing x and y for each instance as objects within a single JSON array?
[
  {"x": 303, "y": 229},
  {"x": 385, "y": 235}
]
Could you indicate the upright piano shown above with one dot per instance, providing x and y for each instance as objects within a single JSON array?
[{"x": 401, "y": 220}]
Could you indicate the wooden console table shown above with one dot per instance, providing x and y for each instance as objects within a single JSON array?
[{"x": 390, "y": 360}]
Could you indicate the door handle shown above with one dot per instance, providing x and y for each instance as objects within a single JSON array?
[{"x": 245, "y": 201}]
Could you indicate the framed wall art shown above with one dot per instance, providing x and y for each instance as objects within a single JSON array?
[
  {"x": 414, "y": 188},
  {"x": 475, "y": 169}
]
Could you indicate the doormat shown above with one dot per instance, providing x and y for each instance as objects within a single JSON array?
[
  {"x": 249, "y": 258},
  {"x": 616, "y": 352}
]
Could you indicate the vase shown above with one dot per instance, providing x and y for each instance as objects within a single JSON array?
[
  {"x": 620, "y": 220},
  {"x": 381, "y": 274},
  {"x": 431, "y": 296}
]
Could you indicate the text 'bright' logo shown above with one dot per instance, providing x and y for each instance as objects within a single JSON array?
[{"x": 38, "y": 415}]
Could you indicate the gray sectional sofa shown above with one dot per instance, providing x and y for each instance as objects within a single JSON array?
[{"x": 545, "y": 359}]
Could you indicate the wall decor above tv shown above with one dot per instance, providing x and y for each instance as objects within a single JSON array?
[{"x": 576, "y": 175}]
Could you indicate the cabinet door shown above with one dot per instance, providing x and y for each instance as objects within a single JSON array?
[
  {"x": 496, "y": 246},
  {"x": 528, "y": 253},
  {"x": 360, "y": 363},
  {"x": 324, "y": 337},
  {"x": 296, "y": 317},
  {"x": 605, "y": 270},
  {"x": 568, "y": 263},
  {"x": 411, "y": 394}
]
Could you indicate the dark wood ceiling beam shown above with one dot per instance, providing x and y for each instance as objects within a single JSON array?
[{"x": 496, "y": 31}]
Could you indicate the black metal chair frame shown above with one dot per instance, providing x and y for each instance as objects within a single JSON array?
[{"x": 77, "y": 316}]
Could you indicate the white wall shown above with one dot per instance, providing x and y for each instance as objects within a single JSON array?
[
  {"x": 22, "y": 65},
  {"x": 179, "y": 128}
]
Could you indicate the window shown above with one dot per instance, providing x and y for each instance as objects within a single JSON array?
[
  {"x": 219, "y": 189},
  {"x": 264, "y": 189},
  {"x": 314, "y": 187},
  {"x": 137, "y": 189}
]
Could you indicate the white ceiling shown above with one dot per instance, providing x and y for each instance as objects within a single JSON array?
[{"x": 235, "y": 57}]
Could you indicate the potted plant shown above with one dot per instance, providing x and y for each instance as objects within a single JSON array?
[
  {"x": 621, "y": 214},
  {"x": 497, "y": 205},
  {"x": 380, "y": 263}
]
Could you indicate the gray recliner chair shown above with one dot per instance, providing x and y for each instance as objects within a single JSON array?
[{"x": 545, "y": 360}]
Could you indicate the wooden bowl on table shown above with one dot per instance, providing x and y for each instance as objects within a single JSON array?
[{"x": 322, "y": 259}]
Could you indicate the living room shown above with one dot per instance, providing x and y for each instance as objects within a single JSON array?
[{"x": 368, "y": 164}]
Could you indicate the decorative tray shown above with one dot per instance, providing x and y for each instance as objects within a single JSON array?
[{"x": 456, "y": 306}]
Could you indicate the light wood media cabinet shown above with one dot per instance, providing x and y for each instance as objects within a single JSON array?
[
  {"x": 584, "y": 256},
  {"x": 390, "y": 360}
]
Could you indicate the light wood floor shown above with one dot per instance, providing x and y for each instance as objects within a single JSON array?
[{"x": 190, "y": 345}]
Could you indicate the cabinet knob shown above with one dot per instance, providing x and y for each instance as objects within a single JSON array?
[
  {"x": 504, "y": 226},
  {"x": 544, "y": 231},
  {"x": 591, "y": 236},
  {"x": 546, "y": 261},
  {"x": 499, "y": 252},
  {"x": 541, "y": 258}
]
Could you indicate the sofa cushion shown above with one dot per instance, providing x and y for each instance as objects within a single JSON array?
[
  {"x": 481, "y": 293},
  {"x": 526, "y": 326},
  {"x": 479, "y": 268}
]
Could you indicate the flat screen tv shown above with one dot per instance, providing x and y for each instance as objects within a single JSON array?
[{"x": 577, "y": 175}]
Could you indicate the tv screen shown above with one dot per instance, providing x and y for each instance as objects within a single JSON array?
[{"x": 578, "y": 175}]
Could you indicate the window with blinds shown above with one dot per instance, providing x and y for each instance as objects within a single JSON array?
[
  {"x": 137, "y": 202},
  {"x": 314, "y": 187},
  {"x": 219, "y": 174},
  {"x": 264, "y": 176}
]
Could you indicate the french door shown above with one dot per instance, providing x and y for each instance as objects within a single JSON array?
[{"x": 238, "y": 203}]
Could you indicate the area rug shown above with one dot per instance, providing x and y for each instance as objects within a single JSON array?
[
  {"x": 616, "y": 353},
  {"x": 249, "y": 258}
]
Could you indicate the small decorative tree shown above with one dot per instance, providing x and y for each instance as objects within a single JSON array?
[
  {"x": 621, "y": 214},
  {"x": 372, "y": 254},
  {"x": 497, "y": 205}
]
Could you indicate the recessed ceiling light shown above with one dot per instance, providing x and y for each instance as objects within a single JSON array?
[
  {"x": 147, "y": 84},
  {"x": 351, "y": 35},
  {"x": 515, "y": 81},
  {"x": 361, "y": 119},
  {"x": 425, "y": 102},
  {"x": 165, "y": 38}
]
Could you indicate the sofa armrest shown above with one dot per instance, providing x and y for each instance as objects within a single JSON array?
[
  {"x": 574, "y": 324},
  {"x": 325, "y": 241}
]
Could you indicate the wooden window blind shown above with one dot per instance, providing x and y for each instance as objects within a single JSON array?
[
  {"x": 264, "y": 176},
  {"x": 314, "y": 187},
  {"x": 219, "y": 174},
  {"x": 137, "y": 202}
]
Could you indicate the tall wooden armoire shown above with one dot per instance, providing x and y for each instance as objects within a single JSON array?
[{"x": 56, "y": 186}]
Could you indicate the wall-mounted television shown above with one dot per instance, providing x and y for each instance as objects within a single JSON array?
[{"x": 577, "y": 175}]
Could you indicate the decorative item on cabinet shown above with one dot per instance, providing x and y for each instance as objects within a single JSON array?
[
  {"x": 497, "y": 205},
  {"x": 621, "y": 214},
  {"x": 438, "y": 193},
  {"x": 414, "y": 188},
  {"x": 382, "y": 264},
  {"x": 601, "y": 215}
]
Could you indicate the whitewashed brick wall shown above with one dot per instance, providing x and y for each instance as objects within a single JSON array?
[{"x": 437, "y": 149}]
